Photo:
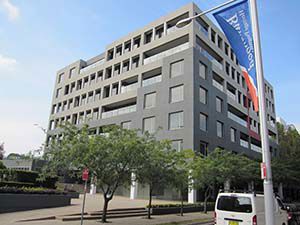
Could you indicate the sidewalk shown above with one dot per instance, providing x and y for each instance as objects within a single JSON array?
[
  {"x": 93, "y": 203},
  {"x": 192, "y": 218}
]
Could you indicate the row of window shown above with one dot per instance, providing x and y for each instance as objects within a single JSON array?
[
  {"x": 147, "y": 37},
  {"x": 176, "y": 69}
]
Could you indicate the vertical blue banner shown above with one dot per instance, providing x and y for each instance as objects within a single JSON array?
[{"x": 236, "y": 24}]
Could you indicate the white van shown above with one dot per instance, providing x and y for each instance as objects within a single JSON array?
[{"x": 246, "y": 209}]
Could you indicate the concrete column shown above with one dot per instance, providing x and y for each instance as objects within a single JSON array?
[
  {"x": 192, "y": 194},
  {"x": 251, "y": 186},
  {"x": 119, "y": 87},
  {"x": 153, "y": 34},
  {"x": 165, "y": 28},
  {"x": 133, "y": 187},
  {"x": 227, "y": 185}
]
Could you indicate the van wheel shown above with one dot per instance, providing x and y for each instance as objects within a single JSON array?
[{"x": 283, "y": 224}]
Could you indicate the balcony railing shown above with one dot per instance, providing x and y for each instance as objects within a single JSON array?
[
  {"x": 244, "y": 143},
  {"x": 120, "y": 111},
  {"x": 237, "y": 119},
  {"x": 130, "y": 87},
  {"x": 100, "y": 62},
  {"x": 151, "y": 80},
  {"x": 218, "y": 85},
  {"x": 202, "y": 29},
  {"x": 166, "y": 53},
  {"x": 231, "y": 95},
  {"x": 172, "y": 30},
  {"x": 210, "y": 57},
  {"x": 255, "y": 148},
  {"x": 272, "y": 124}
]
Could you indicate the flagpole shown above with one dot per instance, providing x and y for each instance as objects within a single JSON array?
[{"x": 266, "y": 156}]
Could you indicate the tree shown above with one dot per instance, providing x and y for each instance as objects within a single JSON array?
[
  {"x": 286, "y": 167},
  {"x": 155, "y": 168},
  {"x": 110, "y": 157},
  {"x": 2, "y": 166},
  {"x": 221, "y": 166},
  {"x": 2, "y": 151},
  {"x": 180, "y": 172}
]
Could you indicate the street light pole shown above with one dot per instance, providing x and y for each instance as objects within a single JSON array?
[
  {"x": 186, "y": 21},
  {"x": 266, "y": 156}
]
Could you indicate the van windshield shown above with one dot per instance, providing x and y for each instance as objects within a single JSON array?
[{"x": 234, "y": 204}]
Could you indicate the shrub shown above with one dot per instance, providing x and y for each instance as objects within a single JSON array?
[
  {"x": 209, "y": 204},
  {"x": 26, "y": 176},
  {"x": 16, "y": 184},
  {"x": 48, "y": 182},
  {"x": 30, "y": 190},
  {"x": 2, "y": 165}
]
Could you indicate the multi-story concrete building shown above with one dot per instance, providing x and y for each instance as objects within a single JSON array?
[{"x": 186, "y": 81}]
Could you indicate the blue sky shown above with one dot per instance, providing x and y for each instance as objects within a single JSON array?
[{"x": 39, "y": 37}]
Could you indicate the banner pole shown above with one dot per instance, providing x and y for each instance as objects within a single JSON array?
[{"x": 266, "y": 156}]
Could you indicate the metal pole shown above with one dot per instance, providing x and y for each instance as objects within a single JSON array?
[
  {"x": 214, "y": 8},
  {"x": 82, "y": 209},
  {"x": 204, "y": 12},
  {"x": 266, "y": 157}
]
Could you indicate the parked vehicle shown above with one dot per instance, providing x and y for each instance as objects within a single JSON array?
[{"x": 238, "y": 208}]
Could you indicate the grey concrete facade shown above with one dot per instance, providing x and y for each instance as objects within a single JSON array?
[{"x": 95, "y": 92}]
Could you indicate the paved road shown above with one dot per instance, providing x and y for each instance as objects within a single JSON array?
[{"x": 94, "y": 203}]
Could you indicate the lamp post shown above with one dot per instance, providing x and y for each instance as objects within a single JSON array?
[{"x": 186, "y": 21}]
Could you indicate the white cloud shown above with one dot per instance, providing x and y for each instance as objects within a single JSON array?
[
  {"x": 7, "y": 63},
  {"x": 12, "y": 10}
]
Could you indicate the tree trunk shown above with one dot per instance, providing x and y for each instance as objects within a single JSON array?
[
  {"x": 150, "y": 202},
  {"x": 104, "y": 212},
  {"x": 181, "y": 208},
  {"x": 206, "y": 197},
  {"x": 280, "y": 190}
]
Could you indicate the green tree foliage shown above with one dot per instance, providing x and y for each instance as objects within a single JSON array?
[
  {"x": 110, "y": 157},
  {"x": 2, "y": 166},
  {"x": 156, "y": 166},
  {"x": 286, "y": 167},
  {"x": 180, "y": 172},
  {"x": 221, "y": 166}
]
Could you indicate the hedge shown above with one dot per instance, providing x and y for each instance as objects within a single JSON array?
[
  {"x": 19, "y": 175},
  {"x": 28, "y": 190},
  {"x": 20, "y": 178},
  {"x": 16, "y": 184},
  {"x": 179, "y": 205}
]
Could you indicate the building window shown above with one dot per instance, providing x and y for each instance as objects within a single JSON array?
[
  {"x": 176, "y": 120},
  {"x": 149, "y": 124},
  {"x": 203, "y": 95},
  {"x": 150, "y": 100},
  {"x": 126, "y": 125},
  {"x": 176, "y": 94},
  {"x": 72, "y": 72},
  {"x": 232, "y": 134},
  {"x": 177, "y": 145},
  {"x": 203, "y": 148},
  {"x": 202, "y": 70},
  {"x": 177, "y": 68},
  {"x": 58, "y": 92},
  {"x": 220, "y": 132},
  {"x": 219, "y": 104},
  {"x": 60, "y": 77},
  {"x": 203, "y": 122},
  {"x": 227, "y": 68}
]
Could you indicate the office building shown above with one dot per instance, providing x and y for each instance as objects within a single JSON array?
[{"x": 186, "y": 81}]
